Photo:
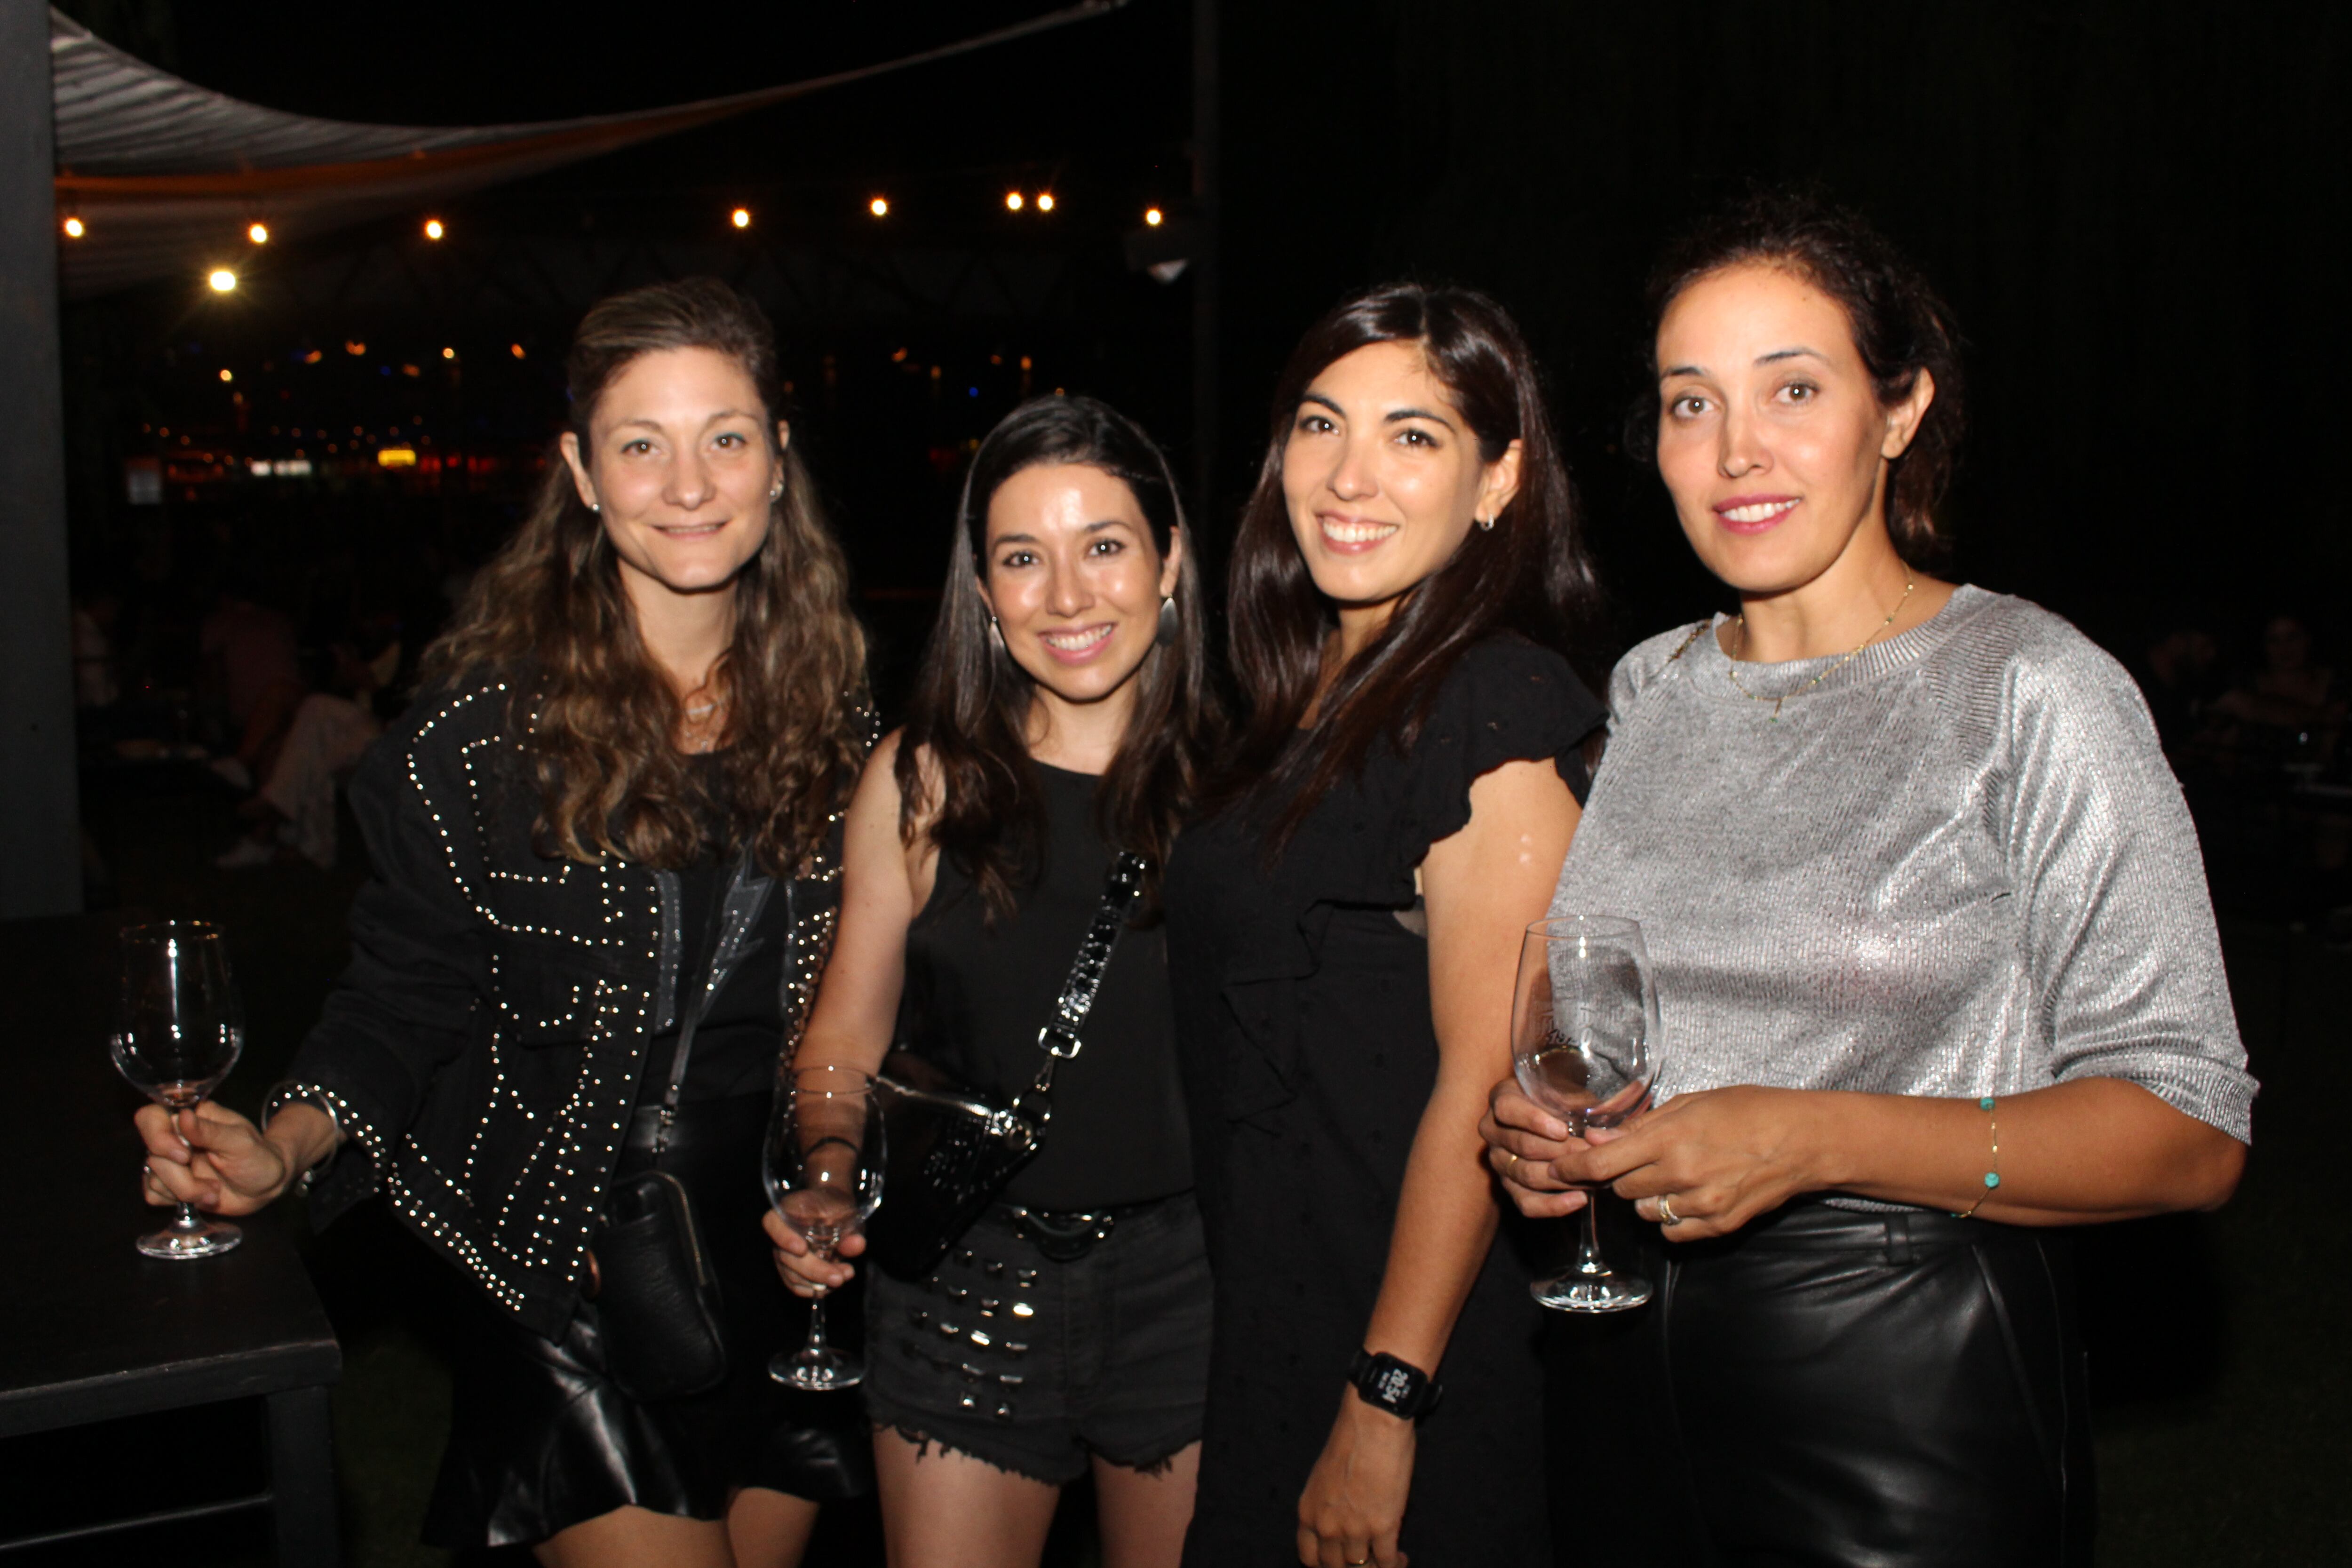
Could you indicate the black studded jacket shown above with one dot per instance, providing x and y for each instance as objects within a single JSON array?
[{"x": 481, "y": 1052}]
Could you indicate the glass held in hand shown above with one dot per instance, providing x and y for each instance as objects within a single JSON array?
[
  {"x": 823, "y": 1169},
  {"x": 1585, "y": 1048},
  {"x": 178, "y": 1028}
]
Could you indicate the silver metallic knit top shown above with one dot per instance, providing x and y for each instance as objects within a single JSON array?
[{"x": 1958, "y": 867}]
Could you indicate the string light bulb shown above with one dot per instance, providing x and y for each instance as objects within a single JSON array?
[
  {"x": 740, "y": 218},
  {"x": 222, "y": 279},
  {"x": 1045, "y": 201},
  {"x": 434, "y": 229},
  {"x": 74, "y": 229},
  {"x": 227, "y": 375},
  {"x": 879, "y": 207},
  {"x": 1152, "y": 216},
  {"x": 448, "y": 354},
  {"x": 258, "y": 233},
  {"x": 1013, "y": 201}
]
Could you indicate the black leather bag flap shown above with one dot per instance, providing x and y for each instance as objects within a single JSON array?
[{"x": 658, "y": 1306}]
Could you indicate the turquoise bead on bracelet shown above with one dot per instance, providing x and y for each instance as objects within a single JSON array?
[{"x": 1992, "y": 1177}]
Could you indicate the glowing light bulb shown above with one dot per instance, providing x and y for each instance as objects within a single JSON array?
[
  {"x": 879, "y": 207},
  {"x": 228, "y": 375},
  {"x": 515, "y": 349},
  {"x": 222, "y": 279},
  {"x": 740, "y": 218},
  {"x": 258, "y": 233},
  {"x": 1152, "y": 216},
  {"x": 74, "y": 229},
  {"x": 432, "y": 230},
  {"x": 1013, "y": 201},
  {"x": 1045, "y": 201}
]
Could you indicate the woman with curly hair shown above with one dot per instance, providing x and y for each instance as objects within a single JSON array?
[{"x": 604, "y": 843}]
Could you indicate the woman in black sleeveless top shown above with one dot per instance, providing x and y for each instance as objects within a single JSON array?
[
  {"x": 1342, "y": 937},
  {"x": 1061, "y": 716}
]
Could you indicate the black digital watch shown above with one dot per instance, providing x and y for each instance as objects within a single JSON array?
[{"x": 1399, "y": 1387}]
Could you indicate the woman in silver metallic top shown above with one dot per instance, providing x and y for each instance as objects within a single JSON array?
[{"x": 1935, "y": 960}]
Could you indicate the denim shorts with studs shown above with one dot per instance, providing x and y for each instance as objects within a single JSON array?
[{"x": 1037, "y": 1367}]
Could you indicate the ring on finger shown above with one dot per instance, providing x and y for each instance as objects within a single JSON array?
[
  {"x": 1667, "y": 1215},
  {"x": 1513, "y": 1168}
]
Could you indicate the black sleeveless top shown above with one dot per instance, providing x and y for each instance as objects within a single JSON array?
[
  {"x": 976, "y": 996},
  {"x": 1302, "y": 991}
]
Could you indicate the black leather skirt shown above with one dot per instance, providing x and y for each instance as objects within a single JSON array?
[
  {"x": 540, "y": 1440},
  {"x": 1839, "y": 1388}
]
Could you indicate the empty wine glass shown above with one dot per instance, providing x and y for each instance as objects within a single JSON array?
[
  {"x": 178, "y": 1029},
  {"x": 823, "y": 1169},
  {"x": 1585, "y": 1047}
]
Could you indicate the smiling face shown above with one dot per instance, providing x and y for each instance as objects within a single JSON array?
[
  {"x": 1070, "y": 572},
  {"x": 1384, "y": 479},
  {"x": 1771, "y": 438},
  {"x": 680, "y": 467}
]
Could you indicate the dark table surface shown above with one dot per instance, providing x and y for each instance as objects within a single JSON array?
[{"x": 88, "y": 1329}]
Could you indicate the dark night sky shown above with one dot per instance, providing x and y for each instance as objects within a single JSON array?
[{"x": 2126, "y": 202}]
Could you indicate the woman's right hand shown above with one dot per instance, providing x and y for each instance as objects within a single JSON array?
[
  {"x": 806, "y": 1274},
  {"x": 1522, "y": 1141},
  {"x": 212, "y": 1157}
]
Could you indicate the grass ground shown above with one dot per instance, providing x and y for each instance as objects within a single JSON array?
[{"x": 2222, "y": 1374}]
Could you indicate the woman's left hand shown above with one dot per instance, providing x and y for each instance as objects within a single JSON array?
[
  {"x": 1353, "y": 1506},
  {"x": 1716, "y": 1158}
]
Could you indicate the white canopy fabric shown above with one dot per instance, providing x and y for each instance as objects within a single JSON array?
[{"x": 165, "y": 174}]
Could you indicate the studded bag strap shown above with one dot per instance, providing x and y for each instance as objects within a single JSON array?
[{"x": 1060, "y": 1038}]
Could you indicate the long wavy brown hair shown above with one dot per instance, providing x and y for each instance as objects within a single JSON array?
[
  {"x": 963, "y": 762},
  {"x": 549, "y": 613},
  {"x": 1530, "y": 574}
]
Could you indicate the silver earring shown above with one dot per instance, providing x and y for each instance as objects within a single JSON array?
[
  {"x": 596, "y": 506},
  {"x": 1487, "y": 524},
  {"x": 777, "y": 491},
  {"x": 996, "y": 636},
  {"x": 1168, "y": 628}
]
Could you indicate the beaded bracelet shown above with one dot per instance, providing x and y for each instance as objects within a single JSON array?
[{"x": 1992, "y": 1177}]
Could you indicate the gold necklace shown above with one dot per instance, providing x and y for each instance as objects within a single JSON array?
[{"x": 1731, "y": 666}]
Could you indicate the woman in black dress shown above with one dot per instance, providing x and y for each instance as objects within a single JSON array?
[
  {"x": 1342, "y": 937},
  {"x": 603, "y": 852},
  {"x": 1063, "y": 714}
]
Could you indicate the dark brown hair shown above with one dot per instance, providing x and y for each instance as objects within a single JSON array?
[
  {"x": 550, "y": 609},
  {"x": 1900, "y": 327},
  {"x": 967, "y": 726},
  {"x": 1529, "y": 575}
]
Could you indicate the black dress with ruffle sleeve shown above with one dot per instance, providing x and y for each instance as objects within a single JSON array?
[{"x": 1301, "y": 987}]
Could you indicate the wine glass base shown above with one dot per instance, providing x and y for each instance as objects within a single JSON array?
[
  {"x": 205, "y": 1238},
  {"x": 818, "y": 1372},
  {"x": 1574, "y": 1292}
]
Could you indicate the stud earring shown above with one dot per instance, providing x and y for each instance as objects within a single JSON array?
[
  {"x": 596, "y": 506},
  {"x": 1167, "y": 636},
  {"x": 1487, "y": 524}
]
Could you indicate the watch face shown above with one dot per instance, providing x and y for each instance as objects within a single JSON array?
[{"x": 1392, "y": 1385}]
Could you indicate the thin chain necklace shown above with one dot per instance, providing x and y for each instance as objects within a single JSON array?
[{"x": 1732, "y": 667}]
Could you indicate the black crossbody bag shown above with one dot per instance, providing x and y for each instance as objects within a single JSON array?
[
  {"x": 658, "y": 1309},
  {"x": 949, "y": 1151}
]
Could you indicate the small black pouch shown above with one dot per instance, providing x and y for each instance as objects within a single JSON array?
[{"x": 658, "y": 1307}]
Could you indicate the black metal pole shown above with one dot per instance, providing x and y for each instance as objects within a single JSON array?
[
  {"x": 1205, "y": 269},
  {"x": 40, "y": 834}
]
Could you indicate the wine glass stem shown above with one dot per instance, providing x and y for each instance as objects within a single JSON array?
[
  {"x": 817, "y": 1345},
  {"x": 1587, "y": 1240},
  {"x": 187, "y": 1220}
]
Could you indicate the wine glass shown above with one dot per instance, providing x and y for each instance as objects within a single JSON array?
[
  {"x": 1585, "y": 1047},
  {"x": 178, "y": 1028},
  {"x": 823, "y": 1169}
]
